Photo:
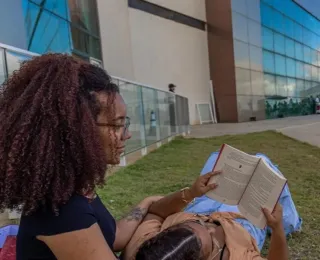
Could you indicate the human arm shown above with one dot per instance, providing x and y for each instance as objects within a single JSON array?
[
  {"x": 278, "y": 245},
  {"x": 82, "y": 244},
  {"x": 128, "y": 225},
  {"x": 176, "y": 201}
]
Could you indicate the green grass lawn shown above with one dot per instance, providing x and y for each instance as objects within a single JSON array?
[{"x": 177, "y": 164}]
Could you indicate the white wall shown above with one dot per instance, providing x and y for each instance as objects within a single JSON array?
[
  {"x": 166, "y": 52},
  {"x": 193, "y": 8},
  {"x": 115, "y": 37},
  {"x": 155, "y": 51}
]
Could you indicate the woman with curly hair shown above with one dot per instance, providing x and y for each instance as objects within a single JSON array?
[{"x": 63, "y": 123}]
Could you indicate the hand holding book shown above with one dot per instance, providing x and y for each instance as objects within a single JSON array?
[
  {"x": 248, "y": 182},
  {"x": 274, "y": 219},
  {"x": 201, "y": 185}
]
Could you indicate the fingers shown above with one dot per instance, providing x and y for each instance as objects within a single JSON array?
[
  {"x": 211, "y": 174},
  {"x": 211, "y": 186},
  {"x": 278, "y": 207},
  {"x": 267, "y": 214}
]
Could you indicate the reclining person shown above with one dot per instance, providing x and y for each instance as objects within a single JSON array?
[{"x": 169, "y": 234}]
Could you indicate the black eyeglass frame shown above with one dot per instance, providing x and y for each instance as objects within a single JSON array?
[{"x": 125, "y": 126}]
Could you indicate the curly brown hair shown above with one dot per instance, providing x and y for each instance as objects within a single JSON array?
[{"x": 50, "y": 147}]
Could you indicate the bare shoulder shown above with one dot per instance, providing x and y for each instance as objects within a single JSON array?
[{"x": 82, "y": 244}]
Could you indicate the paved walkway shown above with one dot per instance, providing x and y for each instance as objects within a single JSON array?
[{"x": 304, "y": 128}]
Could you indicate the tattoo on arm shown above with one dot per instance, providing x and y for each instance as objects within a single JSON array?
[{"x": 137, "y": 214}]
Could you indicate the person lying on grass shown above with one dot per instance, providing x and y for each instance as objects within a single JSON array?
[{"x": 169, "y": 234}]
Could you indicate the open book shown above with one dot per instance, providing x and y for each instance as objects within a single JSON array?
[{"x": 248, "y": 182}]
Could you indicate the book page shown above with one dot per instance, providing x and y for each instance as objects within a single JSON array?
[
  {"x": 264, "y": 190},
  {"x": 237, "y": 168}
]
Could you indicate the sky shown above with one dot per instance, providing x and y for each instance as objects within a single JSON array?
[{"x": 313, "y": 6}]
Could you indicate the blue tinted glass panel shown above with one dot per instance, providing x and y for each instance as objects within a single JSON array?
[
  {"x": 292, "y": 87},
  {"x": 289, "y": 27},
  {"x": 35, "y": 1},
  {"x": 269, "y": 2},
  {"x": 279, "y": 45},
  {"x": 51, "y": 34},
  {"x": 239, "y": 6},
  {"x": 300, "y": 88},
  {"x": 307, "y": 36},
  {"x": 307, "y": 54},
  {"x": 253, "y": 8},
  {"x": 289, "y": 47},
  {"x": 303, "y": 17},
  {"x": 314, "y": 57},
  {"x": 266, "y": 15},
  {"x": 267, "y": 39},
  {"x": 30, "y": 15},
  {"x": 281, "y": 86},
  {"x": 313, "y": 41},
  {"x": 255, "y": 58},
  {"x": 310, "y": 22},
  {"x": 307, "y": 72},
  {"x": 278, "y": 22},
  {"x": 298, "y": 32},
  {"x": 280, "y": 64},
  {"x": 46, "y": 31},
  {"x": 317, "y": 30},
  {"x": 281, "y": 6},
  {"x": 291, "y": 67},
  {"x": 316, "y": 42},
  {"x": 299, "y": 70},
  {"x": 299, "y": 51},
  {"x": 314, "y": 72},
  {"x": 254, "y": 31},
  {"x": 268, "y": 62},
  {"x": 241, "y": 54},
  {"x": 307, "y": 85},
  {"x": 292, "y": 10},
  {"x": 59, "y": 7},
  {"x": 315, "y": 86},
  {"x": 239, "y": 27},
  {"x": 269, "y": 84}
]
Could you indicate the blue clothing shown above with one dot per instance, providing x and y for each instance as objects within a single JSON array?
[
  {"x": 291, "y": 220},
  {"x": 79, "y": 213}
]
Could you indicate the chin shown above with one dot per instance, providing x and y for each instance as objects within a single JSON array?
[{"x": 114, "y": 161}]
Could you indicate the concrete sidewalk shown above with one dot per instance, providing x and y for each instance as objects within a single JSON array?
[{"x": 304, "y": 128}]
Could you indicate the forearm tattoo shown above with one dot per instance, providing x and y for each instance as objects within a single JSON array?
[{"x": 137, "y": 214}]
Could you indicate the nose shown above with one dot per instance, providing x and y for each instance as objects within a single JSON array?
[{"x": 127, "y": 135}]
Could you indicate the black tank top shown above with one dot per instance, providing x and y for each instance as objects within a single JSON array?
[{"x": 77, "y": 214}]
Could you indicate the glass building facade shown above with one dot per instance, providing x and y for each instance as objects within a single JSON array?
[
  {"x": 277, "y": 58},
  {"x": 41, "y": 26}
]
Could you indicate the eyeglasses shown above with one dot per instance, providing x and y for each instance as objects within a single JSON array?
[
  {"x": 215, "y": 243},
  {"x": 125, "y": 126}
]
